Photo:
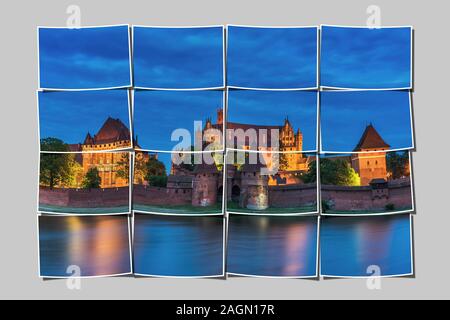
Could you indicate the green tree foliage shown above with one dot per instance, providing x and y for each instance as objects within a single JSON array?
[
  {"x": 397, "y": 164},
  {"x": 76, "y": 173},
  {"x": 55, "y": 169},
  {"x": 123, "y": 164},
  {"x": 155, "y": 173},
  {"x": 53, "y": 144},
  {"x": 158, "y": 181},
  {"x": 92, "y": 179},
  {"x": 283, "y": 162},
  {"x": 336, "y": 172}
]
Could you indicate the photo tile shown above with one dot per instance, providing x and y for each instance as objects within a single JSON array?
[
  {"x": 273, "y": 246},
  {"x": 179, "y": 120},
  {"x": 84, "y": 121},
  {"x": 276, "y": 121},
  {"x": 272, "y": 57},
  {"x": 362, "y": 247},
  {"x": 366, "y": 183},
  {"x": 366, "y": 58},
  {"x": 169, "y": 246},
  {"x": 189, "y": 184},
  {"x": 271, "y": 184},
  {"x": 84, "y": 58},
  {"x": 366, "y": 121},
  {"x": 84, "y": 183},
  {"x": 78, "y": 246},
  {"x": 178, "y": 57}
]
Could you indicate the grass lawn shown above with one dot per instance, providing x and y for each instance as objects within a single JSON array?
[
  {"x": 181, "y": 209},
  {"x": 234, "y": 207},
  {"x": 57, "y": 209}
]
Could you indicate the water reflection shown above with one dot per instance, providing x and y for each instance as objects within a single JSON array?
[
  {"x": 272, "y": 246},
  {"x": 98, "y": 245},
  {"x": 350, "y": 245},
  {"x": 178, "y": 246}
]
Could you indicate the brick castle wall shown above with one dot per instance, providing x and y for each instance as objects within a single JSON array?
[
  {"x": 147, "y": 195},
  {"x": 341, "y": 198},
  {"x": 83, "y": 198},
  {"x": 292, "y": 196}
]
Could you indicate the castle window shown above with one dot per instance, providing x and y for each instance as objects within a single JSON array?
[{"x": 368, "y": 162}]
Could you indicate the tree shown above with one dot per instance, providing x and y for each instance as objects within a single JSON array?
[
  {"x": 55, "y": 169},
  {"x": 283, "y": 162},
  {"x": 336, "y": 172},
  {"x": 92, "y": 179},
  {"x": 76, "y": 173},
  {"x": 124, "y": 167},
  {"x": 53, "y": 144},
  {"x": 397, "y": 164},
  {"x": 311, "y": 175},
  {"x": 155, "y": 173}
]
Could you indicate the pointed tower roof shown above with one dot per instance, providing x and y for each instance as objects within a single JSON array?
[
  {"x": 88, "y": 139},
  {"x": 111, "y": 131},
  {"x": 371, "y": 139}
]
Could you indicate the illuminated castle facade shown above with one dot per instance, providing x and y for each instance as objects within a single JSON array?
[{"x": 113, "y": 134}]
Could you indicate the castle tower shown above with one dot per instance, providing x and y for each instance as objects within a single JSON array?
[
  {"x": 287, "y": 139},
  {"x": 220, "y": 116},
  {"x": 112, "y": 134},
  {"x": 204, "y": 185},
  {"x": 371, "y": 165},
  {"x": 299, "y": 141},
  {"x": 255, "y": 188}
]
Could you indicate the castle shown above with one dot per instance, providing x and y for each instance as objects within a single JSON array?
[
  {"x": 372, "y": 165},
  {"x": 248, "y": 187},
  {"x": 289, "y": 141},
  {"x": 245, "y": 184},
  {"x": 113, "y": 134}
]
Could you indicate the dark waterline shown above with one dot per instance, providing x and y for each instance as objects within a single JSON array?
[
  {"x": 98, "y": 245},
  {"x": 178, "y": 246},
  {"x": 350, "y": 245},
  {"x": 273, "y": 246}
]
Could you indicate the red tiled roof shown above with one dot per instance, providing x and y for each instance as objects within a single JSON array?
[
  {"x": 112, "y": 130},
  {"x": 371, "y": 139}
]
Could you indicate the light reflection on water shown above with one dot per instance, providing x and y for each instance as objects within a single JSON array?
[
  {"x": 273, "y": 246},
  {"x": 178, "y": 246},
  {"x": 350, "y": 245},
  {"x": 98, "y": 245}
]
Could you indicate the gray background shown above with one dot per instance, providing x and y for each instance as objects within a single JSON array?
[{"x": 19, "y": 157}]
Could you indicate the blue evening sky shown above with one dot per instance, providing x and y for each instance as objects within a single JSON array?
[
  {"x": 178, "y": 58},
  {"x": 363, "y": 58},
  {"x": 69, "y": 116},
  {"x": 345, "y": 115},
  {"x": 272, "y": 58},
  {"x": 158, "y": 113},
  {"x": 86, "y": 58},
  {"x": 272, "y": 108}
]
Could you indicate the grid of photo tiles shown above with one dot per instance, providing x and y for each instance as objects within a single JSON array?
[{"x": 207, "y": 152}]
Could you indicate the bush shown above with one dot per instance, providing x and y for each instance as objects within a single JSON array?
[
  {"x": 390, "y": 207},
  {"x": 157, "y": 181},
  {"x": 325, "y": 206}
]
